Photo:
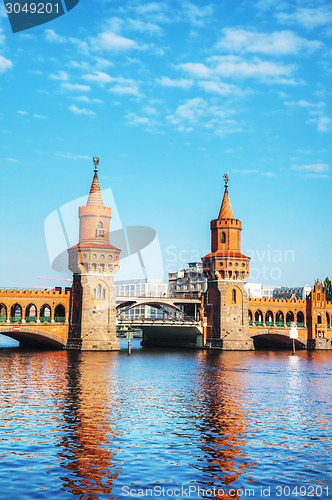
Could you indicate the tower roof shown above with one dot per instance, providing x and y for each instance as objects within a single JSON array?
[
  {"x": 95, "y": 198},
  {"x": 226, "y": 211}
]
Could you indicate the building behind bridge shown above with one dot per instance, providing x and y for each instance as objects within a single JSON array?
[{"x": 141, "y": 288}]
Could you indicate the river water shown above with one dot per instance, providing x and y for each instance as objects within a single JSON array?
[{"x": 165, "y": 423}]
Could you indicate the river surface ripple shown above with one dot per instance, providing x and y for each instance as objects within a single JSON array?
[{"x": 103, "y": 425}]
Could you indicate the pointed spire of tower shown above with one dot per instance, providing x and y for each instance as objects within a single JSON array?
[
  {"x": 95, "y": 198},
  {"x": 226, "y": 211}
]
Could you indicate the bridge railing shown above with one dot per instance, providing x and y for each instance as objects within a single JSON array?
[
  {"x": 138, "y": 321},
  {"x": 33, "y": 319}
]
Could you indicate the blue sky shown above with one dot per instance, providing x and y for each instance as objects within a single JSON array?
[{"x": 171, "y": 95}]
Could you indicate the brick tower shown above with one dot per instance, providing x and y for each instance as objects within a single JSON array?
[
  {"x": 317, "y": 318},
  {"x": 226, "y": 301},
  {"x": 93, "y": 263}
]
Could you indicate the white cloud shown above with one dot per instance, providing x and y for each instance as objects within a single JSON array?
[
  {"x": 200, "y": 113},
  {"x": 308, "y": 17},
  {"x": 265, "y": 71},
  {"x": 192, "y": 111},
  {"x": 84, "y": 98},
  {"x": 149, "y": 110},
  {"x": 52, "y": 36},
  {"x": 125, "y": 86},
  {"x": 268, "y": 174},
  {"x": 197, "y": 70},
  {"x": 149, "y": 7},
  {"x": 60, "y": 75},
  {"x": 135, "y": 120},
  {"x": 114, "y": 42},
  {"x": 143, "y": 27},
  {"x": 5, "y": 64},
  {"x": 246, "y": 171},
  {"x": 313, "y": 168},
  {"x": 98, "y": 77},
  {"x": 180, "y": 83},
  {"x": 70, "y": 156},
  {"x": 40, "y": 117},
  {"x": 301, "y": 104},
  {"x": 197, "y": 15},
  {"x": 20, "y": 112},
  {"x": 81, "y": 111},
  {"x": 220, "y": 88},
  {"x": 323, "y": 123},
  {"x": 276, "y": 43},
  {"x": 75, "y": 86},
  {"x": 231, "y": 66},
  {"x": 124, "y": 90},
  {"x": 2, "y": 36}
]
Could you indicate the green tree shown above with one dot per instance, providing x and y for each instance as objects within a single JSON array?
[{"x": 328, "y": 288}]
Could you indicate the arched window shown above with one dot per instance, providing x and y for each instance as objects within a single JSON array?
[
  {"x": 59, "y": 313},
  {"x": 300, "y": 319},
  {"x": 3, "y": 312},
  {"x": 234, "y": 296},
  {"x": 269, "y": 321},
  {"x": 45, "y": 313},
  {"x": 280, "y": 318},
  {"x": 99, "y": 292},
  {"x": 319, "y": 319},
  {"x": 223, "y": 237},
  {"x": 259, "y": 318},
  {"x": 100, "y": 229},
  {"x": 289, "y": 318}
]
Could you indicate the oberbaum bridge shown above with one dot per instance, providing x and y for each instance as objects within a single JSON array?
[{"x": 85, "y": 316}]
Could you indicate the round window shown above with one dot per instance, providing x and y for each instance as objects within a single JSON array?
[
  {"x": 84, "y": 255},
  {"x": 94, "y": 256},
  {"x": 110, "y": 257},
  {"x": 102, "y": 256}
]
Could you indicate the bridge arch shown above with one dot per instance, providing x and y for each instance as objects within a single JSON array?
[
  {"x": 3, "y": 313},
  {"x": 280, "y": 319},
  {"x": 279, "y": 340},
  {"x": 289, "y": 317},
  {"x": 269, "y": 318},
  {"x": 30, "y": 313},
  {"x": 45, "y": 313},
  {"x": 35, "y": 336},
  {"x": 300, "y": 319},
  {"x": 258, "y": 317},
  {"x": 60, "y": 313},
  {"x": 16, "y": 312},
  {"x": 250, "y": 316},
  {"x": 161, "y": 305}
]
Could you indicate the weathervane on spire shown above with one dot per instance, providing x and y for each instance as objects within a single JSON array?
[
  {"x": 226, "y": 178},
  {"x": 96, "y": 162}
]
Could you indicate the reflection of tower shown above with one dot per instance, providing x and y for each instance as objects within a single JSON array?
[
  {"x": 226, "y": 301},
  {"x": 93, "y": 262},
  {"x": 90, "y": 430},
  {"x": 225, "y": 423}
]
